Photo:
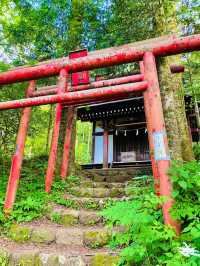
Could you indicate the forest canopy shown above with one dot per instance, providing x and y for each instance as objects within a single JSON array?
[{"x": 33, "y": 31}]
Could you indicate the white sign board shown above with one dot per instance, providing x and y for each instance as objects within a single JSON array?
[{"x": 128, "y": 156}]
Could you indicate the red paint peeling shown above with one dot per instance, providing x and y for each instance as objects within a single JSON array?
[{"x": 106, "y": 57}]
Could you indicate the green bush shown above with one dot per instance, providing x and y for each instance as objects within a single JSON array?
[
  {"x": 32, "y": 200},
  {"x": 186, "y": 193},
  {"x": 146, "y": 240},
  {"x": 196, "y": 150}
]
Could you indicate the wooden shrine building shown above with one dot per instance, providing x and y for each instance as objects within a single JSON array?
[{"x": 123, "y": 124}]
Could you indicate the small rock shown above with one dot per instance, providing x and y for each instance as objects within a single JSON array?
[
  {"x": 19, "y": 233},
  {"x": 43, "y": 235}
]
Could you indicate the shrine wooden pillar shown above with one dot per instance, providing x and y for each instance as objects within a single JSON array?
[
  {"x": 105, "y": 144},
  {"x": 157, "y": 133},
  {"x": 17, "y": 159}
]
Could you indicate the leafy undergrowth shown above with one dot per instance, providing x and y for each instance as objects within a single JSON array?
[
  {"x": 32, "y": 200},
  {"x": 146, "y": 240}
]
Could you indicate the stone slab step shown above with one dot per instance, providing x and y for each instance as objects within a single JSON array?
[
  {"x": 117, "y": 174},
  {"x": 93, "y": 203},
  {"x": 12, "y": 254},
  {"x": 93, "y": 184},
  {"x": 67, "y": 217},
  {"x": 97, "y": 192},
  {"x": 40, "y": 232}
]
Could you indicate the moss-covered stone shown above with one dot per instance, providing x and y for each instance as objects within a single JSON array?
[
  {"x": 43, "y": 235},
  {"x": 96, "y": 239},
  {"x": 89, "y": 218},
  {"x": 49, "y": 210},
  {"x": 19, "y": 233},
  {"x": 91, "y": 204},
  {"x": 29, "y": 258},
  {"x": 4, "y": 257},
  {"x": 116, "y": 192},
  {"x": 65, "y": 217},
  {"x": 104, "y": 260},
  {"x": 101, "y": 192},
  {"x": 59, "y": 260},
  {"x": 86, "y": 183},
  {"x": 68, "y": 219},
  {"x": 75, "y": 261},
  {"x": 69, "y": 237},
  {"x": 53, "y": 260}
]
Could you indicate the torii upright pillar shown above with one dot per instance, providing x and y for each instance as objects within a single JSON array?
[
  {"x": 54, "y": 142},
  {"x": 149, "y": 128},
  {"x": 67, "y": 142},
  {"x": 158, "y": 135},
  {"x": 19, "y": 153}
]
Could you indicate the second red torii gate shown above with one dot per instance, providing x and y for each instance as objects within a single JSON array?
[{"x": 146, "y": 51}]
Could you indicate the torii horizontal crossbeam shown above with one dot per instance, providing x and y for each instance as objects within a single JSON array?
[
  {"x": 79, "y": 97},
  {"x": 49, "y": 90},
  {"x": 164, "y": 46}
]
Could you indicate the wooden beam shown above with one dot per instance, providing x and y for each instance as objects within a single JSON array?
[{"x": 105, "y": 144}]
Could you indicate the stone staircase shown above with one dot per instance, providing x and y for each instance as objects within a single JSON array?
[{"x": 67, "y": 236}]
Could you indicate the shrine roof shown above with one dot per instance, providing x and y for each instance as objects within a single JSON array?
[{"x": 112, "y": 109}]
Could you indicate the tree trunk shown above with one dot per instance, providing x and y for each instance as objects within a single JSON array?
[{"x": 171, "y": 85}]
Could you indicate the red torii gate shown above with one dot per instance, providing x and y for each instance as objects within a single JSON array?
[{"x": 145, "y": 51}]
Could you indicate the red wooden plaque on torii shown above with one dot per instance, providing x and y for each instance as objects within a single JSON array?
[{"x": 79, "y": 77}]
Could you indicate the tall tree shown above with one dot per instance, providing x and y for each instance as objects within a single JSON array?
[
  {"x": 43, "y": 29},
  {"x": 145, "y": 19},
  {"x": 165, "y": 22}
]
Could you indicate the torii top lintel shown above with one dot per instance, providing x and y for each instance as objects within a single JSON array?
[{"x": 162, "y": 46}]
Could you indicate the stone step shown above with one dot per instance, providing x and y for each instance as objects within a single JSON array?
[
  {"x": 92, "y": 203},
  {"x": 45, "y": 232},
  {"x": 12, "y": 254},
  {"x": 96, "y": 192},
  {"x": 93, "y": 184},
  {"x": 67, "y": 217},
  {"x": 117, "y": 174}
]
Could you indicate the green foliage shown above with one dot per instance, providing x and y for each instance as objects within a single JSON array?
[
  {"x": 146, "y": 240},
  {"x": 56, "y": 217},
  {"x": 32, "y": 200},
  {"x": 186, "y": 193},
  {"x": 196, "y": 150}
]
